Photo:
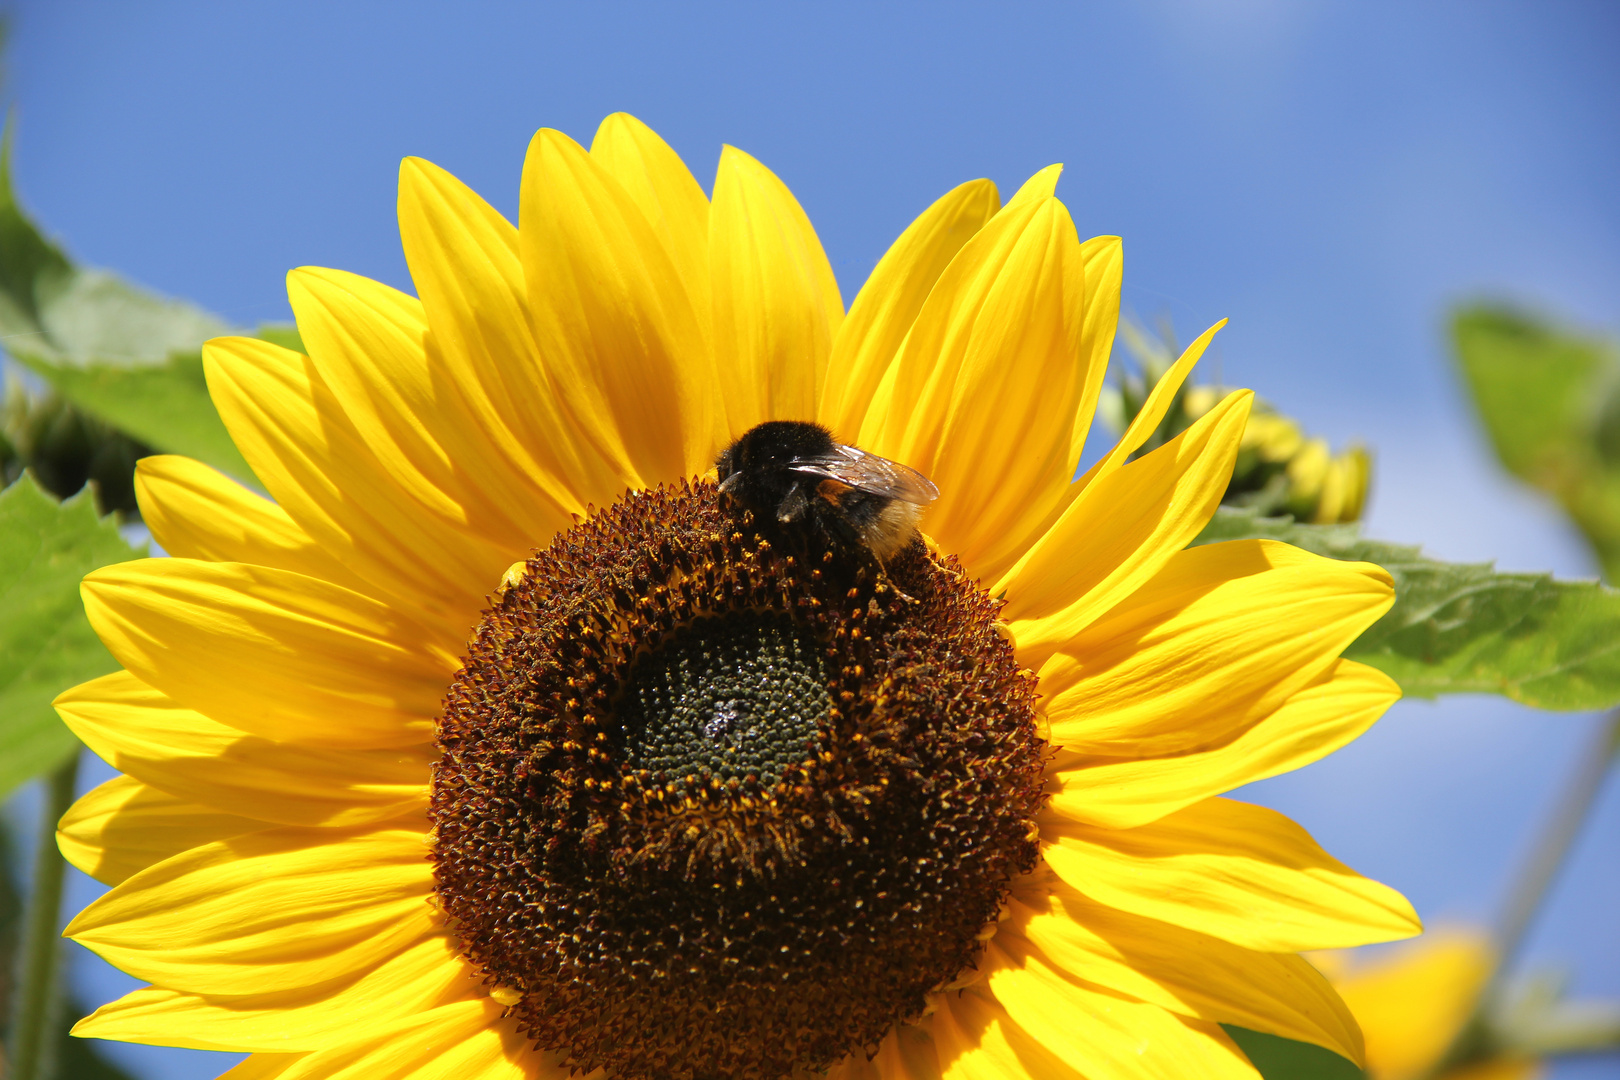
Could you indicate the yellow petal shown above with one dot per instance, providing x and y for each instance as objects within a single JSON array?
[
  {"x": 1039, "y": 187},
  {"x": 653, "y": 175},
  {"x": 1096, "y": 310},
  {"x": 1104, "y": 258},
  {"x": 1159, "y": 400},
  {"x": 986, "y": 392},
  {"x": 279, "y": 910},
  {"x": 424, "y": 975},
  {"x": 467, "y": 1040},
  {"x": 977, "y": 1040},
  {"x": 888, "y": 303},
  {"x": 1515, "y": 1069},
  {"x": 1105, "y": 261},
  {"x": 1115, "y": 537},
  {"x": 1232, "y": 870},
  {"x": 311, "y": 459},
  {"x": 1216, "y": 641},
  {"x": 263, "y": 1067},
  {"x": 197, "y": 512},
  {"x": 120, "y": 828},
  {"x": 139, "y": 731},
  {"x": 270, "y": 652},
  {"x": 1178, "y": 969},
  {"x": 776, "y": 302},
  {"x": 613, "y": 318},
  {"x": 906, "y": 1053},
  {"x": 369, "y": 344},
  {"x": 1123, "y": 793},
  {"x": 1411, "y": 1001},
  {"x": 468, "y": 270},
  {"x": 1102, "y": 1034}
]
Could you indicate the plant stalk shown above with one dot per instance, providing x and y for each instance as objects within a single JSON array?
[
  {"x": 1560, "y": 835},
  {"x": 39, "y": 985},
  {"x": 1532, "y": 885}
]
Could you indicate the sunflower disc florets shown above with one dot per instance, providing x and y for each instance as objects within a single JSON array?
[{"x": 717, "y": 805}]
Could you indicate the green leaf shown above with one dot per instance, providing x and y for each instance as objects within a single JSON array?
[
  {"x": 113, "y": 349},
  {"x": 1532, "y": 385},
  {"x": 28, "y": 258},
  {"x": 1550, "y": 402},
  {"x": 1283, "y": 1059},
  {"x": 1465, "y": 628},
  {"x": 46, "y": 644},
  {"x": 81, "y": 1059},
  {"x": 284, "y": 334},
  {"x": 165, "y": 405}
]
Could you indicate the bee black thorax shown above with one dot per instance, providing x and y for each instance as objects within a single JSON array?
[{"x": 755, "y": 472}]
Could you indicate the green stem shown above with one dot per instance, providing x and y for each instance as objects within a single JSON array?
[
  {"x": 38, "y": 991},
  {"x": 1560, "y": 835},
  {"x": 1532, "y": 885}
]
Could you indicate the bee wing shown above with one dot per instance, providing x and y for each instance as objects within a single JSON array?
[{"x": 855, "y": 467}]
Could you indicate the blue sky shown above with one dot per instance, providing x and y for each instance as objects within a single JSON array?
[{"x": 1331, "y": 176}]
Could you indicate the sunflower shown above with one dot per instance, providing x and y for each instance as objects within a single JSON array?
[{"x": 502, "y": 744}]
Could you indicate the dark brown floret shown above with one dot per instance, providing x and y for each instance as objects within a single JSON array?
[{"x": 716, "y": 808}]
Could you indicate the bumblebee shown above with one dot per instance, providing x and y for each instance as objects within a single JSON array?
[{"x": 796, "y": 474}]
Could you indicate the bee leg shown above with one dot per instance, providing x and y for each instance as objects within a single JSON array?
[
  {"x": 793, "y": 505},
  {"x": 901, "y": 593},
  {"x": 883, "y": 568},
  {"x": 838, "y": 531}
]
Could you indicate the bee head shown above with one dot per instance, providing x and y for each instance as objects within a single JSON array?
[{"x": 754, "y": 469}]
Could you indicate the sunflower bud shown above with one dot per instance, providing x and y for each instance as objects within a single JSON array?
[
  {"x": 65, "y": 449},
  {"x": 1279, "y": 470}
]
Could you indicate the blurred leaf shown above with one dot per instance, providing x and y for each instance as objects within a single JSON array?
[
  {"x": 1532, "y": 384},
  {"x": 111, "y": 348},
  {"x": 164, "y": 405},
  {"x": 1460, "y": 628},
  {"x": 1283, "y": 1059},
  {"x": 46, "y": 644},
  {"x": 284, "y": 334},
  {"x": 1550, "y": 402},
  {"x": 1536, "y": 1019},
  {"x": 28, "y": 261},
  {"x": 79, "y": 1059}
]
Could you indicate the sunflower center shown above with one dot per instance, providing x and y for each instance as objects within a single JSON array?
[
  {"x": 740, "y": 698},
  {"x": 718, "y": 804}
]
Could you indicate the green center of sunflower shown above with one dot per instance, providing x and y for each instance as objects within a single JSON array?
[
  {"x": 739, "y": 699},
  {"x": 714, "y": 805}
]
